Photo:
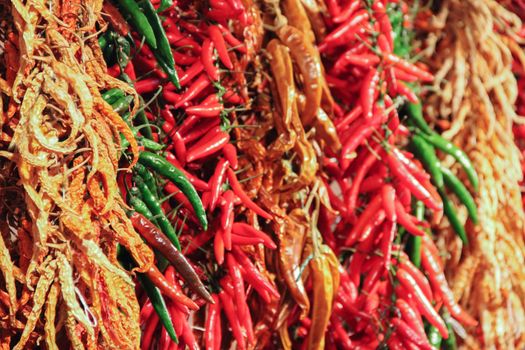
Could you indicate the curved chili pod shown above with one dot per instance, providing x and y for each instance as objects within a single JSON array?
[{"x": 166, "y": 169}]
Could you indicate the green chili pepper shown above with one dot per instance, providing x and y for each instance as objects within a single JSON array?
[
  {"x": 426, "y": 153},
  {"x": 450, "y": 212},
  {"x": 149, "y": 144},
  {"x": 159, "y": 304},
  {"x": 449, "y": 148},
  {"x": 139, "y": 21},
  {"x": 154, "y": 205},
  {"x": 138, "y": 205},
  {"x": 434, "y": 337},
  {"x": 109, "y": 49},
  {"x": 166, "y": 169},
  {"x": 415, "y": 241},
  {"x": 164, "y": 5},
  {"x": 163, "y": 47},
  {"x": 449, "y": 343},
  {"x": 112, "y": 95},
  {"x": 461, "y": 191},
  {"x": 122, "y": 104},
  {"x": 414, "y": 111},
  {"x": 169, "y": 70},
  {"x": 147, "y": 177},
  {"x": 163, "y": 53}
]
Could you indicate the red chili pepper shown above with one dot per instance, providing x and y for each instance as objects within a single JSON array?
[
  {"x": 410, "y": 316},
  {"x": 383, "y": 44},
  {"x": 333, "y": 7},
  {"x": 227, "y": 217},
  {"x": 423, "y": 304},
  {"x": 389, "y": 233},
  {"x": 405, "y": 91},
  {"x": 406, "y": 220},
  {"x": 242, "y": 229},
  {"x": 409, "y": 334},
  {"x": 231, "y": 315},
  {"x": 230, "y": 153},
  {"x": 233, "y": 41},
  {"x": 217, "y": 181},
  {"x": 188, "y": 337},
  {"x": 179, "y": 146},
  {"x": 373, "y": 275},
  {"x": 366, "y": 217},
  {"x": 384, "y": 22},
  {"x": 206, "y": 111},
  {"x": 347, "y": 11},
  {"x": 212, "y": 314},
  {"x": 206, "y": 146},
  {"x": 389, "y": 198},
  {"x": 195, "y": 89},
  {"x": 218, "y": 40},
  {"x": 243, "y": 240},
  {"x": 164, "y": 340},
  {"x": 348, "y": 118},
  {"x": 404, "y": 76},
  {"x": 363, "y": 169},
  {"x": 367, "y": 95},
  {"x": 341, "y": 334},
  {"x": 439, "y": 283},
  {"x": 236, "y": 187},
  {"x": 400, "y": 63},
  {"x": 151, "y": 325},
  {"x": 344, "y": 32},
  {"x": 203, "y": 128},
  {"x": 218, "y": 247},
  {"x": 207, "y": 60},
  {"x": 232, "y": 97},
  {"x": 147, "y": 85},
  {"x": 145, "y": 312},
  {"x": 130, "y": 71},
  {"x": 238, "y": 286},
  {"x": 401, "y": 172},
  {"x": 252, "y": 275},
  {"x": 360, "y": 60},
  {"x": 191, "y": 73},
  {"x": 167, "y": 115}
]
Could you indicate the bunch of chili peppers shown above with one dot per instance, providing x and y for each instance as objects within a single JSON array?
[
  {"x": 384, "y": 298},
  {"x": 187, "y": 62},
  {"x": 190, "y": 113}
]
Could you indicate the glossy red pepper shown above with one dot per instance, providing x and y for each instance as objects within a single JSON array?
[
  {"x": 410, "y": 316},
  {"x": 218, "y": 247},
  {"x": 409, "y": 334},
  {"x": 195, "y": 89},
  {"x": 243, "y": 229},
  {"x": 233, "y": 41},
  {"x": 347, "y": 11},
  {"x": 168, "y": 290},
  {"x": 147, "y": 337},
  {"x": 348, "y": 118},
  {"x": 389, "y": 233},
  {"x": 217, "y": 181},
  {"x": 344, "y": 33},
  {"x": 230, "y": 153},
  {"x": 406, "y": 220},
  {"x": 204, "y": 127},
  {"x": 231, "y": 315},
  {"x": 362, "y": 171},
  {"x": 367, "y": 95},
  {"x": 365, "y": 218},
  {"x": 410, "y": 68},
  {"x": 212, "y": 314},
  {"x": 206, "y": 111},
  {"x": 252, "y": 275},
  {"x": 401, "y": 172},
  {"x": 195, "y": 181},
  {"x": 236, "y": 187},
  {"x": 423, "y": 304},
  {"x": 208, "y": 61},
  {"x": 147, "y": 85},
  {"x": 220, "y": 45},
  {"x": 227, "y": 217},
  {"x": 439, "y": 283},
  {"x": 208, "y": 145},
  {"x": 190, "y": 73}
]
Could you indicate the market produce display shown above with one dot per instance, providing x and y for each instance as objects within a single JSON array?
[{"x": 239, "y": 174}]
